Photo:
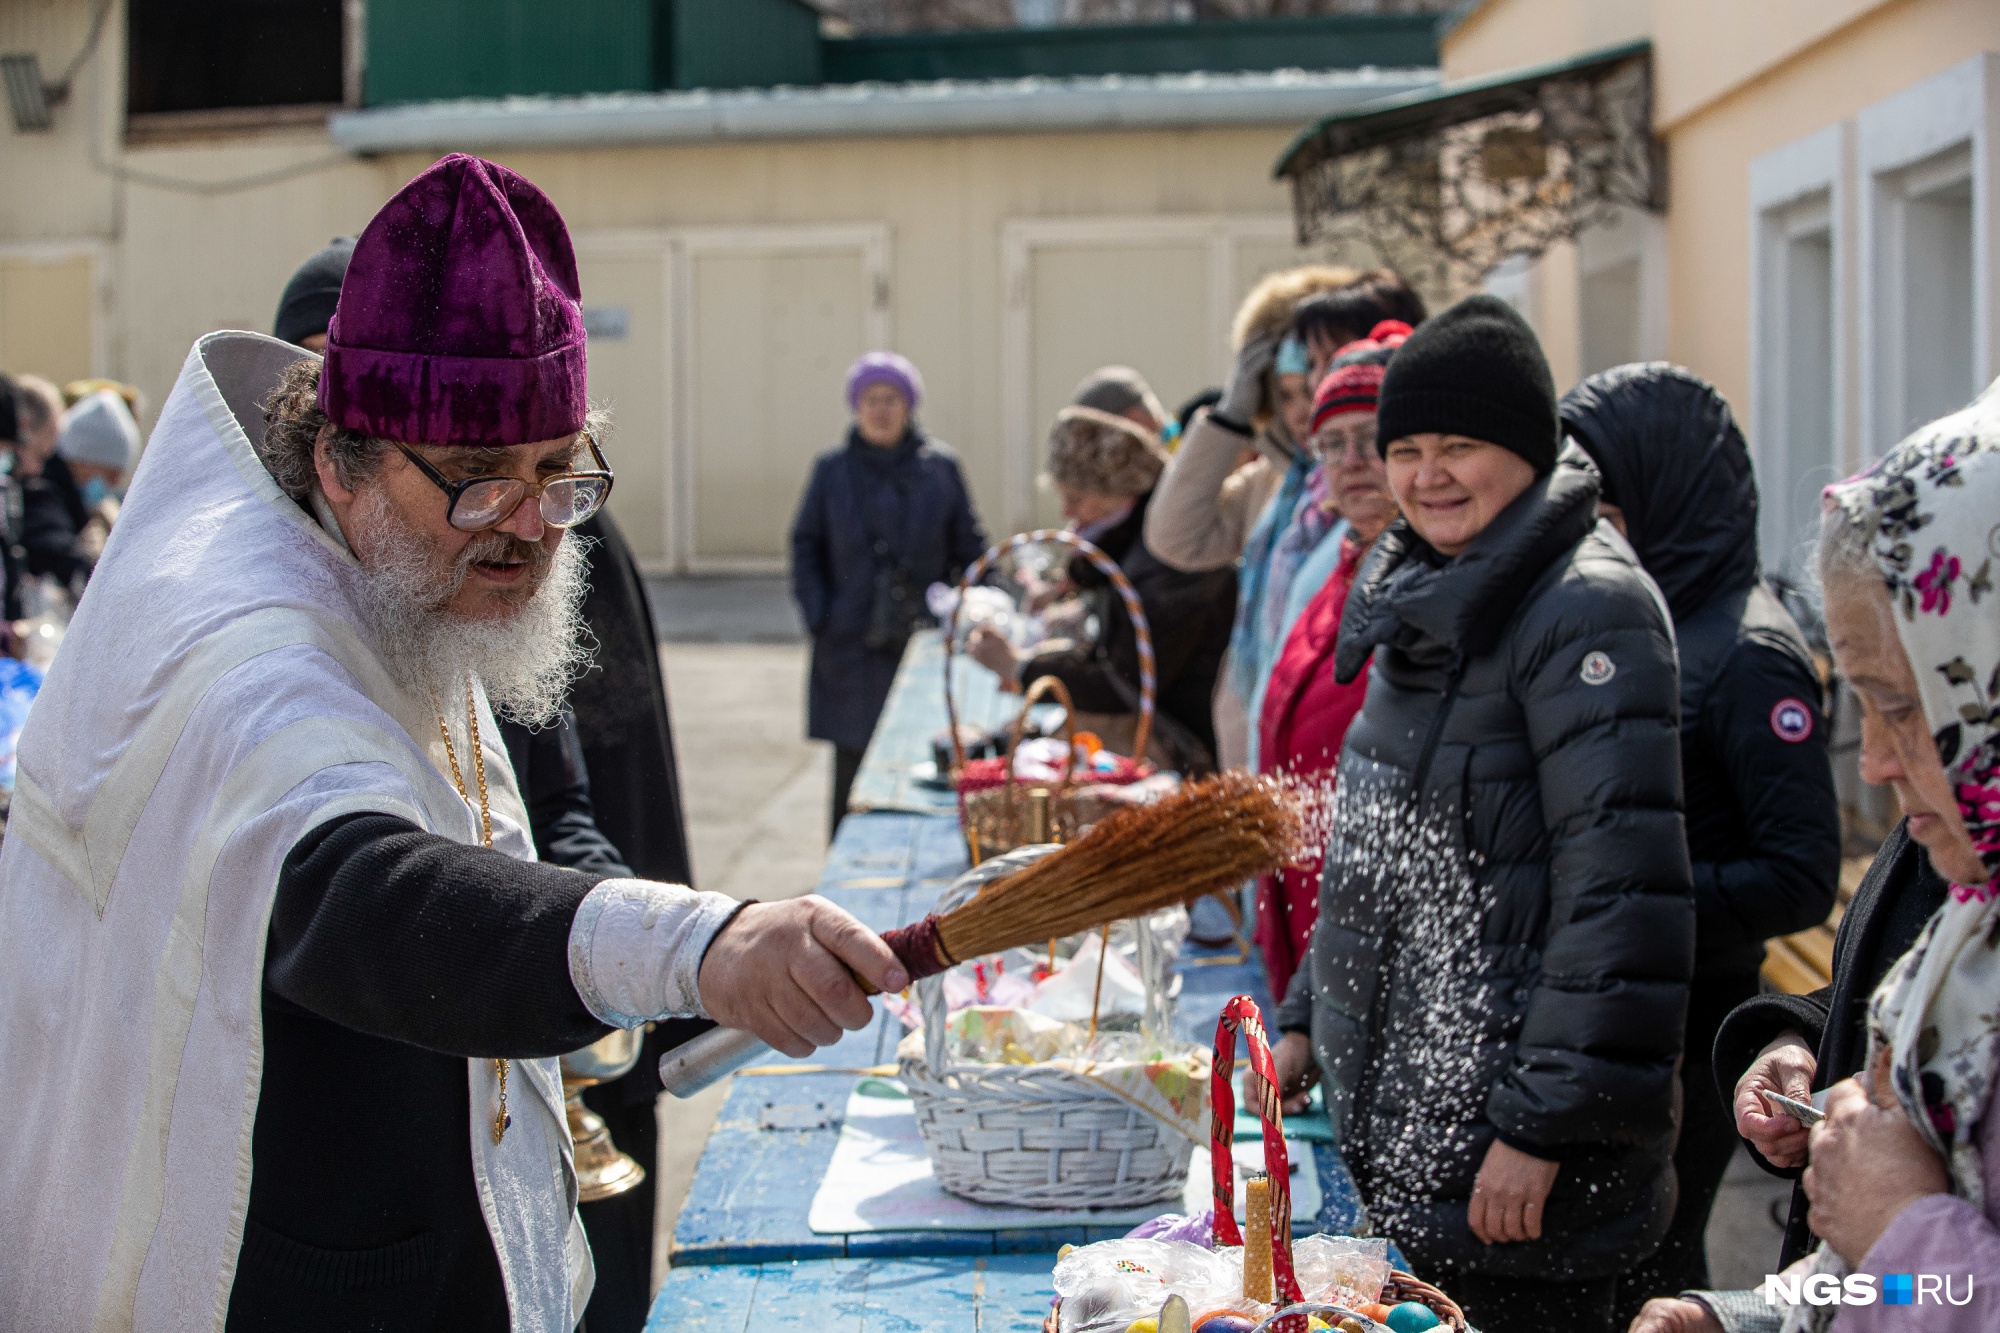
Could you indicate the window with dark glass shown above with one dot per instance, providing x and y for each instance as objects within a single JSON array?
[{"x": 203, "y": 55}]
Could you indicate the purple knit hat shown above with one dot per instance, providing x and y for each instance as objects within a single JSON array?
[
  {"x": 459, "y": 320},
  {"x": 884, "y": 368}
]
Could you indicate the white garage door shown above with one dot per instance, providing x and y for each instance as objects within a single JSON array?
[
  {"x": 625, "y": 311},
  {"x": 722, "y": 353},
  {"x": 1154, "y": 293}
]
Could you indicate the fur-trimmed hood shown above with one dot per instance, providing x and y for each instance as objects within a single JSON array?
[{"x": 1268, "y": 308}]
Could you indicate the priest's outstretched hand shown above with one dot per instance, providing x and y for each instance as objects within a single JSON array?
[{"x": 787, "y": 972}]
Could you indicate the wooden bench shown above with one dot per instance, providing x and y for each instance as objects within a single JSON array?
[{"x": 1798, "y": 964}]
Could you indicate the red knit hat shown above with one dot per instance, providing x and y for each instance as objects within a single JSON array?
[
  {"x": 1355, "y": 377},
  {"x": 460, "y": 319}
]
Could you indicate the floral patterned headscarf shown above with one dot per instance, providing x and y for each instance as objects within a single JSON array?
[{"x": 1930, "y": 512}]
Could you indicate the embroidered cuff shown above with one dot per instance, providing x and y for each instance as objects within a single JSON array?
[{"x": 635, "y": 949}]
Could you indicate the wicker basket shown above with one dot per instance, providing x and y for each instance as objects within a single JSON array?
[
  {"x": 1006, "y": 817},
  {"x": 1012, "y": 815},
  {"x": 1035, "y": 1136}
]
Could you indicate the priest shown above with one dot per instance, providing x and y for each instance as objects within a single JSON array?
[{"x": 281, "y": 983}]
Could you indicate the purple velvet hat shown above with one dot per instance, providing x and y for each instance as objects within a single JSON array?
[{"x": 459, "y": 320}]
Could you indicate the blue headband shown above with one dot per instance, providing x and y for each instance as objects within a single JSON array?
[{"x": 1292, "y": 358}]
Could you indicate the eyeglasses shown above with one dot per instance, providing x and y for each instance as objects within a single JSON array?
[
  {"x": 478, "y": 503},
  {"x": 1338, "y": 442}
]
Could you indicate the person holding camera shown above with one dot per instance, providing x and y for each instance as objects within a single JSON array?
[
  {"x": 1105, "y": 468},
  {"x": 883, "y": 517}
]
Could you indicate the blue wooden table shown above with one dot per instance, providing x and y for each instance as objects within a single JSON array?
[
  {"x": 743, "y": 1256},
  {"x": 1000, "y": 1294},
  {"x": 914, "y": 717},
  {"x": 742, "y": 1251}
]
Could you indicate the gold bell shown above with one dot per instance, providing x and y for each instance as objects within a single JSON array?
[{"x": 603, "y": 1171}]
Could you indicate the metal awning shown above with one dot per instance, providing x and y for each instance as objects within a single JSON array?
[{"x": 1470, "y": 174}]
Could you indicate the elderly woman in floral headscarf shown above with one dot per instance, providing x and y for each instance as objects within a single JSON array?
[{"x": 1905, "y": 1170}]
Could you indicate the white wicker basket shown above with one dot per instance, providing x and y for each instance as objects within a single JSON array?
[{"x": 1036, "y": 1136}]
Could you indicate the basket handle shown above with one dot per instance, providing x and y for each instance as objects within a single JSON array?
[
  {"x": 1142, "y": 633},
  {"x": 1241, "y": 1015},
  {"x": 1041, "y": 686}
]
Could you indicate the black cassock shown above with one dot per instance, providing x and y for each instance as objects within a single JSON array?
[{"x": 608, "y": 793}]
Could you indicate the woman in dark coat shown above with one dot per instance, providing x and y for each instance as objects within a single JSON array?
[
  {"x": 884, "y": 516},
  {"x": 1498, "y": 975},
  {"x": 1105, "y": 468},
  {"x": 1763, "y": 824}
]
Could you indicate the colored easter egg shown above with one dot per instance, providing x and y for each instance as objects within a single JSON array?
[
  {"x": 1147, "y": 1325},
  {"x": 1411, "y": 1317},
  {"x": 1226, "y": 1323}
]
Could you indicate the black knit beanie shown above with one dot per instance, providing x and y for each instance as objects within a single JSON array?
[
  {"x": 307, "y": 306},
  {"x": 1476, "y": 370}
]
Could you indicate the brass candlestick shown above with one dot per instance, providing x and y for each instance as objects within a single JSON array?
[{"x": 603, "y": 1171}]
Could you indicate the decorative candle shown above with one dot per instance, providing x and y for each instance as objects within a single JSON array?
[{"x": 1257, "y": 1280}]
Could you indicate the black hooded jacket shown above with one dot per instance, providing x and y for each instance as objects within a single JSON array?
[
  {"x": 1505, "y": 933},
  {"x": 1763, "y": 824},
  {"x": 1189, "y": 615}
]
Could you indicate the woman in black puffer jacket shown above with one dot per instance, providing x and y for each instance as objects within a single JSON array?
[
  {"x": 1763, "y": 824},
  {"x": 1499, "y": 972}
]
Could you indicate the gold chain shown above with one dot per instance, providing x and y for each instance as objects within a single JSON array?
[{"x": 500, "y": 1117}]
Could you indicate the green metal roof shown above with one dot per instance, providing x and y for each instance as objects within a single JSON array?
[
  {"x": 1335, "y": 41},
  {"x": 1411, "y": 114}
]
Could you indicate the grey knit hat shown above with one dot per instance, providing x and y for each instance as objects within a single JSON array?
[
  {"x": 1096, "y": 451},
  {"x": 99, "y": 429},
  {"x": 1117, "y": 390}
]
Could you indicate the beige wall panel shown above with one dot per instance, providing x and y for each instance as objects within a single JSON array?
[
  {"x": 1708, "y": 229},
  {"x": 1506, "y": 34},
  {"x": 945, "y": 201},
  {"x": 1707, "y": 49},
  {"x": 1142, "y": 304},
  {"x": 186, "y": 263},
  {"x": 46, "y": 309},
  {"x": 774, "y": 335},
  {"x": 1258, "y": 256},
  {"x": 190, "y": 264},
  {"x": 628, "y": 376},
  {"x": 47, "y": 184}
]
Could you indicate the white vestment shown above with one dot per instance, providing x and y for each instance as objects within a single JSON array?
[{"x": 215, "y": 699}]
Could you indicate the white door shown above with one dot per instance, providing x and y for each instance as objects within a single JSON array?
[
  {"x": 48, "y": 312},
  {"x": 625, "y": 312},
  {"x": 767, "y": 321},
  {"x": 1154, "y": 293}
]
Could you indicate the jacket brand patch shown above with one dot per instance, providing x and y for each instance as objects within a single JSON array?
[
  {"x": 1792, "y": 720},
  {"x": 1598, "y": 668}
]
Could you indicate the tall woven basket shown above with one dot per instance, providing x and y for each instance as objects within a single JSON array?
[
  {"x": 1005, "y": 817},
  {"x": 1291, "y": 1313},
  {"x": 1036, "y": 1136}
]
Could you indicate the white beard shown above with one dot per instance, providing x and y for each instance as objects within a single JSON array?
[{"x": 525, "y": 658}]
